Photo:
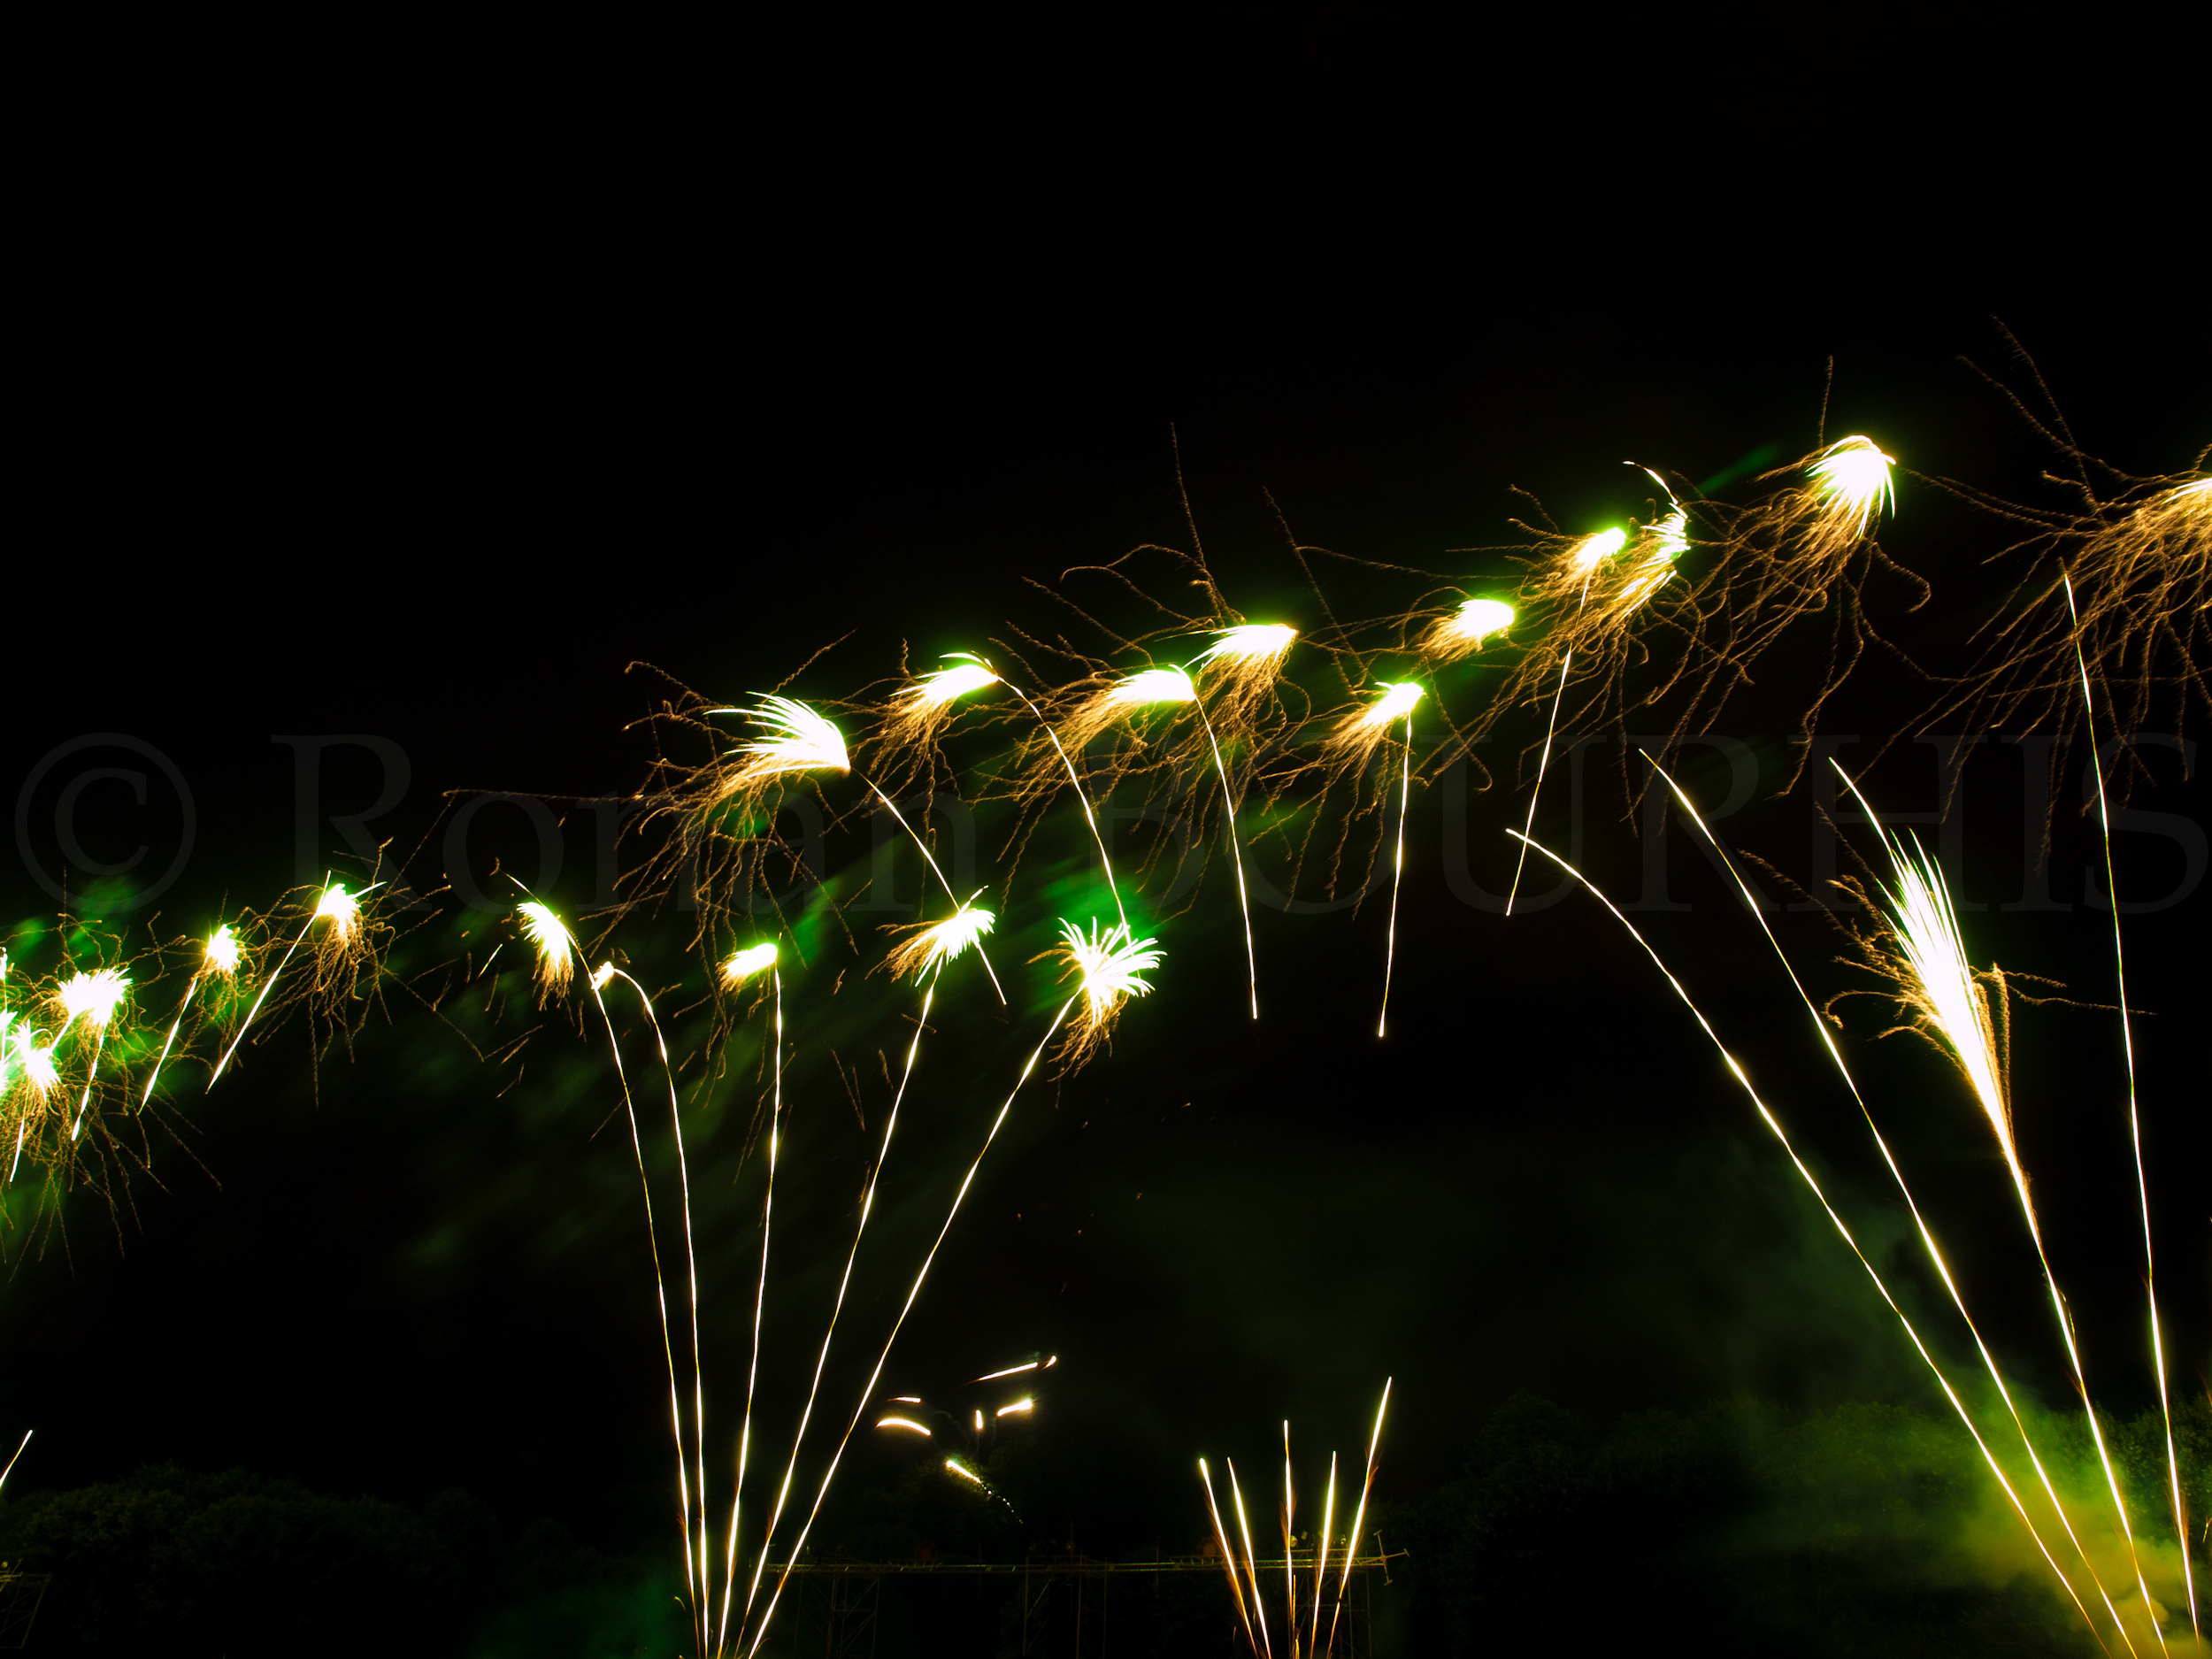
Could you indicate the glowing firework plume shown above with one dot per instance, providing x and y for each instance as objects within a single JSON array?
[
  {"x": 942, "y": 944},
  {"x": 1109, "y": 706},
  {"x": 913, "y": 1295},
  {"x": 93, "y": 998},
  {"x": 556, "y": 946},
  {"x": 1463, "y": 631},
  {"x": 1927, "y": 1237},
  {"x": 342, "y": 942},
  {"x": 1774, "y": 1127},
  {"x": 800, "y": 740},
  {"x": 1611, "y": 577},
  {"x": 931, "y": 945},
  {"x": 2135, "y": 1122},
  {"x": 1107, "y": 967},
  {"x": 1239, "y": 669},
  {"x": 921, "y": 709},
  {"x": 1849, "y": 482},
  {"x": 1302, "y": 1631},
  {"x": 1923, "y": 957},
  {"x": 219, "y": 956}
]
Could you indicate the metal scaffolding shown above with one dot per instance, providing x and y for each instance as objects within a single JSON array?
[
  {"x": 1065, "y": 1598},
  {"x": 21, "y": 1593}
]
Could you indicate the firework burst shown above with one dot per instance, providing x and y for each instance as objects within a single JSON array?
[
  {"x": 1920, "y": 952},
  {"x": 1108, "y": 968},
  {"x": 1240, "y": 672},
  {"x": 1466, "y": 630},
  {"x": 921, "y": 709},
  {"x": 555, "y": 945},
  {"x": 929, "y": 946}
]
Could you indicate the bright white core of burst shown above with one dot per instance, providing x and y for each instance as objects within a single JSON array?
[
  {"x": 545, "y": 930},
  {"x": 1480, "y": 617},
  {"x": 1157, "y": 684},
  {"x": 935, "y": 689},
  {"x": 338, "y": 906},
  {"x": 92, "y": 996},
  {"x": 1109, "y": 965},
  {"x": 1604, "y": 545},
  {"x": 748, "y": 961},
  {"x": 1853, "y": 477},
  {"x": 955, "y": 933},
  {"x": 1395, "y": 703},
  {"x": 1251, "y": 642},
  {"x": 221, "y": 951},
  {"x": 798, "y": 739},
  {"x": 38, "y": 1064}
]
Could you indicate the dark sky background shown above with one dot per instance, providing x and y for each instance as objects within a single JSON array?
[{"x": 421, "y": 392}]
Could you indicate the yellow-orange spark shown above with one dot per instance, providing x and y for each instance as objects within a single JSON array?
[
  {"x": 741, "y": 966},
  {"x": 556, "y": 946},
  {"x": 222, "y": 952},
  {"x": 92, "y": 997},
  {"x": 939, "y": 942}
]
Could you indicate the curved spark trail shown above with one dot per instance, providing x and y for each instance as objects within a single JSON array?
[
  {"x": 767, "y": 1617},
  {"x": 2135, "y": 1123},
  {"x": 1774, "y": 1127},
  {"x": 1927, "y": 1237}
]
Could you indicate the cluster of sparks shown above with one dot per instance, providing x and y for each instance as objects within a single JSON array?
[
  {"x": 1305, "y": 1634},
  {"x": 83, "y": 1056},
  {"x": 1589, "y": 607}
]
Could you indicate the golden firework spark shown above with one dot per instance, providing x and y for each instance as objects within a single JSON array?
[
  {"x": 1356, "y": 737},
  {"x": 10, "y": 1470},
  {"x": 556, "y": 946},
  {"x": 1927, "y": 1237},
  {"x": 35, "y": 1060},
  {"x": 1239, "y": 671},
  {"x": 222, "y": 952},
  {"x": 1112, "y": 704},
  {"x": 1359, "y": 733},
  {"x": 40, "y": 1075},
  {"x": 1109, "y": 966},
  {"x": 1774, "y": 1127},
  {"x": 795, "y": 739},
  {"x": 601, "y": 977},
  {"x": 1925, "y": 961},
  {"x": 2135, "y": 1123},
  {"x": 922, "y": 706},
  {"x": 950, "y": 938},
  {"x": 741, "y": 966},
  {"x": 92, "y": 997},
  {"x": 1251, "y": 1559},
  {"x": 1239, "y": 649},
  {"x": 930, "y": 946},
  {"x": 340, "y": 911},
  {"x": 913, "y": 1295},
  {"x": 902, "y": 1423},
  {"x": 219, "y": 956},
  {"x": 1228, "y": 1555},
  {"x": 1850, "y": 483},
  {"x": 1463, "y": 631},
  {"x": 1359, "y": 1516}
]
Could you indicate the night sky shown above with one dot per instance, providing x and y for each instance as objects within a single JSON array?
[{"x": 438, "y": 408}]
